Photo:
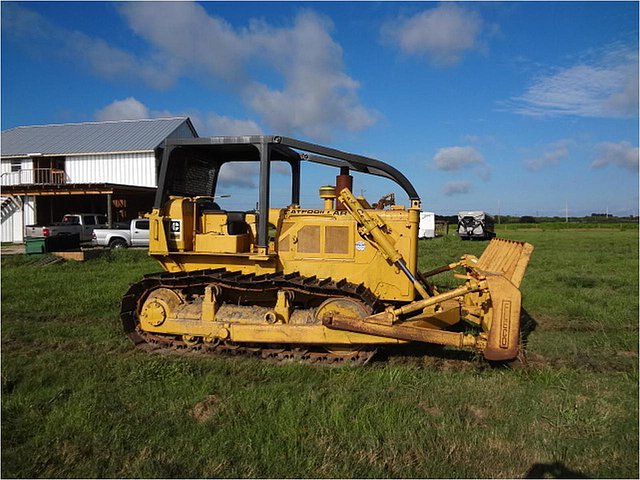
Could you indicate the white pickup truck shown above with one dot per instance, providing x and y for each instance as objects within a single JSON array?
[
  {"x": 80, "y": 223},
  {"x": 135, "y": 235}
]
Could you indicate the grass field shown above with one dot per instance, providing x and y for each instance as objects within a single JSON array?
[
  {"x": 501, "y": 228},
  {"x": 79, "y": 401}
]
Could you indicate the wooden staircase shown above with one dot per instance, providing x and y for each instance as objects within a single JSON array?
[{"x": 8, "y": 206}]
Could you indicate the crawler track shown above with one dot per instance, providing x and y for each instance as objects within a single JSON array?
[{"x": 246, "y": 289}]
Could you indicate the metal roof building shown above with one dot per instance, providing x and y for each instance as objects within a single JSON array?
[
  {"x": 110, "y": 167},
  {"x": 93, "y": 137}
]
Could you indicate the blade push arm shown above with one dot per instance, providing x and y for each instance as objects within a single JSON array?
[{"x": 373, "y": 228}]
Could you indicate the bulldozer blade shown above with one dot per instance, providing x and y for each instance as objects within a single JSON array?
[
  {"x": 507, "y": 258},
  {"x": 504, "y": 335},
  {"x": 504, "y": 263}
]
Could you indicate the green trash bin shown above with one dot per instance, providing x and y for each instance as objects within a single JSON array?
[{"x": 34, "y": 245}]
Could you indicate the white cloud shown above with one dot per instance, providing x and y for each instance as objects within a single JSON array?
[
  {"x": 20, "y": 22},
  {"x": 455, "y": 158},
  {"x": 186, "y": 33},
  {"x": 442, "y": 34},
  {"x": 603, "y": 85},
  {"x": 281, "y": 168},
  {"x": 222, "y": 125},
  {"x": 127, "y": 109},
  {"x": 451, "y": 159},
  {"x": 309, "y": 90},
  {"x": 316, "y": 97},
  {"x": 206, "y": 124},
  {"x": 238, "y": 174},
  {"x": 622, "y": 155},
  {"x": 116, "y": 64},
  {"x": 552, "y": 156},
  {"x": 94, "y": 53},
  {"x": 456, "y": 188}
]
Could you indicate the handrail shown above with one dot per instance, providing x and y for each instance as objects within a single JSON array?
[{"x": 34, "y": 176}]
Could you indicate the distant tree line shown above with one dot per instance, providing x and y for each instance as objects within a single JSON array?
[{"x": 593, "y": 218}]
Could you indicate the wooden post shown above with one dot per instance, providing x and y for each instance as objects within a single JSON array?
[{"x": 109, "y": 211}]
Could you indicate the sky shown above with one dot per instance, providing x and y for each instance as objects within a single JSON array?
[{"x": 521, "y": 108}]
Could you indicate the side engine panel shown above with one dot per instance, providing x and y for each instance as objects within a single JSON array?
[{"x": 326, "y": 243}]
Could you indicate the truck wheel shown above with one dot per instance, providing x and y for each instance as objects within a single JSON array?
[{"x": 117, "y": 243}]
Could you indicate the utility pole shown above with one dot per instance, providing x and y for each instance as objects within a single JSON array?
[
  {"x": 499, "y": 205},
  {"x": 566, "y": 211}
]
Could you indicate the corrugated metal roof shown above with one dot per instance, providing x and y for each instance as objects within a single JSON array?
[{"x": 92, "y": 137}]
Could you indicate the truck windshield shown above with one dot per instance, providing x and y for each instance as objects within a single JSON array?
[{"x": 74, "y": 219}]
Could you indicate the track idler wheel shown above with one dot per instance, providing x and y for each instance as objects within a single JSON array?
[
  {"x": 159, "y": 305},
  {"x": 341, "y": 306},
  {"x": 347, "y": 307}
]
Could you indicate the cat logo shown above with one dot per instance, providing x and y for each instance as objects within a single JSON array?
[{"x": 175, "y": 228}]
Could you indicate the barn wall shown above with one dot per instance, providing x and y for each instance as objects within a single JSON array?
[
  {"x": 29, "y": 210},
  {"x": 16, "y": 178},
  {"x": 5, "y": 165},
  {"x": 137, "y": 169},
  {"x": 14, "y": 220},
  {"x": 10, "y": 224}
]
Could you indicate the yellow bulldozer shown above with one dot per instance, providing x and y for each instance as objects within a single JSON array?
[{"x": 318, "y": 285}]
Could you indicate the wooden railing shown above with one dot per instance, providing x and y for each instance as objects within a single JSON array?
[{"x": 34, "y": 176}]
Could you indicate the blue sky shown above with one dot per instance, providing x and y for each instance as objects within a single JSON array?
[{"x": 522, "y": 107}]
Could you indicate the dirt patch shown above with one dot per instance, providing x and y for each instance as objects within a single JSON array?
[
  {"x": 433, "y": 357},
  {"x": 70, "y": 451},
  {"x": 581, "y": 400},
  {"x": 434, "y": 411},
  {"x": 13, "y": 249},
  {"x": 206, "y": 409},
  {"x": 450, "y": 365},
  {"x": 627, "y": 354},
  {"x": 477, "y": 413}
]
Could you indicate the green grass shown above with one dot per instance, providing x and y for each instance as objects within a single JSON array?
[
  {"x": 501, "y": 228},
  {"x": 79, "y": 401}
]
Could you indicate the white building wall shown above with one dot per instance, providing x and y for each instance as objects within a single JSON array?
[
  {"x": 25, "y": 175},
  {"x": 12, "y": 228},
  {"x": 7, "y": 230},
  {"x": 5, "y": 166},
  {"x": 138, "y": 169},
  {"x": 29, "y": 210},
  {"x": 13, "y": 225},
  {"x": 25, "y": 164},
  {"x": 12, "y": 221},
  {"x": 8, "y": 226}
]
